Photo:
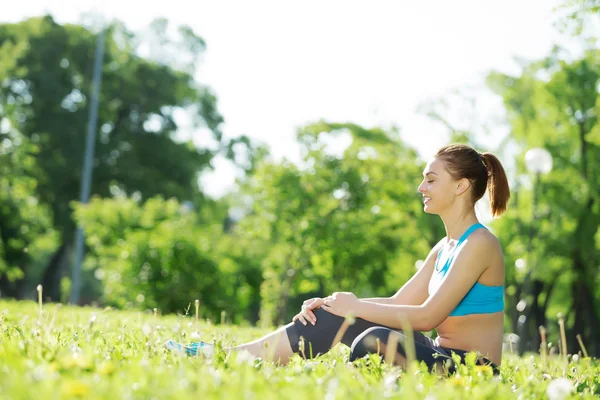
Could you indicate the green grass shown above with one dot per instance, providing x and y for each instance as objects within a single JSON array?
[{"x": 89, "y": 353}]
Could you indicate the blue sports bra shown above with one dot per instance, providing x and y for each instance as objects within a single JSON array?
[{"x": 481, "y": 299}]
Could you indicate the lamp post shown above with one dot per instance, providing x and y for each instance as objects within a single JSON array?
[
  {"x": 86, "y": 180},
  {"x": 538, "y": 161}
]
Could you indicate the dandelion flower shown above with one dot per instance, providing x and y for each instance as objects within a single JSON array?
[{"x": 559, "y": 388}]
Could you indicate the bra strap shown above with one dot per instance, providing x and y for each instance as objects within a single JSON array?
[
  {"x": 471, "y": 229},
  {"x": 464, "y": 236}
]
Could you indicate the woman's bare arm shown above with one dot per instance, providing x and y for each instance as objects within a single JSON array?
[
  {"x": 415, "y": 291},
  {"x": 468, "y": 266}
]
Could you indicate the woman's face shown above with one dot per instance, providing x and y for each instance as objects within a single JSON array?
[{"x": 438, "y": 187}]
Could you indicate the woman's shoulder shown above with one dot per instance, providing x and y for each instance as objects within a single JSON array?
[{"x": 484, "y": 239}]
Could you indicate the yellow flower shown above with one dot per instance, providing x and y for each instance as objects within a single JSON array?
[
  {"x": 74, "y": 361},
  {"x": 74, "y": 388},
  {"x": 106, "y": 368},
  {"x": 484, "y": 370},
  {"x": 460, "y": 380}
]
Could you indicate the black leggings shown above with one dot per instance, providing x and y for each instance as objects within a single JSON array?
[{"x": 364, "y": 337}]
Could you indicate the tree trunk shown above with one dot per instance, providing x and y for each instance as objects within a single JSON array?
[
  {"x": 586, "y": 320},
  {"x": 578, "y": 309},
  {"x": 254, "y": 313},
  {"x": 13, "y": 289},
  {"x": 53, "y": 274},
  {"x": 518, "y": 329},
  {"x": 593, "y": 341},
  {"x": 288, "y": 277},
  {"x": 8, "y": 288},
  {"x": 524, "y": 331},
  {"x": 537, "y": 316}
]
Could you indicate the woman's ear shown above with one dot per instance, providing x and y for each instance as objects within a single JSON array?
[{"x": 463, "y": 185}]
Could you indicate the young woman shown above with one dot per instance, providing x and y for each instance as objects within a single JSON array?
[{"x": 458, "y": 291}]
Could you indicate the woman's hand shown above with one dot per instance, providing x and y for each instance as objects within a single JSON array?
[
  {"x": 341, "y": 304},
  {"x": 306, "y": 313}
]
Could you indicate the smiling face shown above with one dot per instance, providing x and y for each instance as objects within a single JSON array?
[{"x": 439, "y": 189}]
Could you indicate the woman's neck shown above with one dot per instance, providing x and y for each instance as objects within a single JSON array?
[{"x": 456, "y": 223}]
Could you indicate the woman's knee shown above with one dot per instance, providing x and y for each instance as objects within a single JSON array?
[
  {"x": 311, "y": 340},
  {"x": 370, "y": 341}
]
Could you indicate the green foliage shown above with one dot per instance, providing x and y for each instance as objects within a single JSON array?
[
  {"x": 554, "y": 104},
  {"x": 45, "y": 73},
  {"x": 350, "y": 221},
  {"x": 71, "y": 353},
  {"x": 24, "y": 222},
  {"x": 353, "y": 222},
  {"x": 45, "y": 81},
  {"x": 578, "y": 16},
  {"x": 159, "y": 254}
]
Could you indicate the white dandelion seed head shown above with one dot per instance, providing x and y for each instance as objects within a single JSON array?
[{"x": 559, "y": 388}]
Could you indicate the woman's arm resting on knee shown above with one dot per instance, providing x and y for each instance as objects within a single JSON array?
[
  {"x": 380, "y": 300},
  {"x": 468, "y": 266}
]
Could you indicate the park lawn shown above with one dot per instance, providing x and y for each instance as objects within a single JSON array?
[{"x": 68, "y": 352}]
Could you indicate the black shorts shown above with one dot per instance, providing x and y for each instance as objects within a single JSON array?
[{"x": 364, "y": 337}]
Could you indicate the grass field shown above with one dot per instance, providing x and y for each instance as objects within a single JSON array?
[{"x": 66, "y": 352}]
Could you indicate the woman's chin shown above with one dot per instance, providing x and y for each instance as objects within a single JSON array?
[{"x": 428, "y": 209}]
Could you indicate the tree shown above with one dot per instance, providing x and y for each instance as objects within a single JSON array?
[
  {"x": 337, "y": 222},
  {"x": 554, "y": 104},
  {"x": 577, "y": 17},
  {"x": 45, "y": 72},
  {"x": 158, "y": 253},
  {"x": 23, "y": 220}
]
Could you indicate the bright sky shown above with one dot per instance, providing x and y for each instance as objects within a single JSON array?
[{"x": 278, "y": 65}]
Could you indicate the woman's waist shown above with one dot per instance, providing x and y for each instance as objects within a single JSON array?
[{"x": 481, "y": 332}]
